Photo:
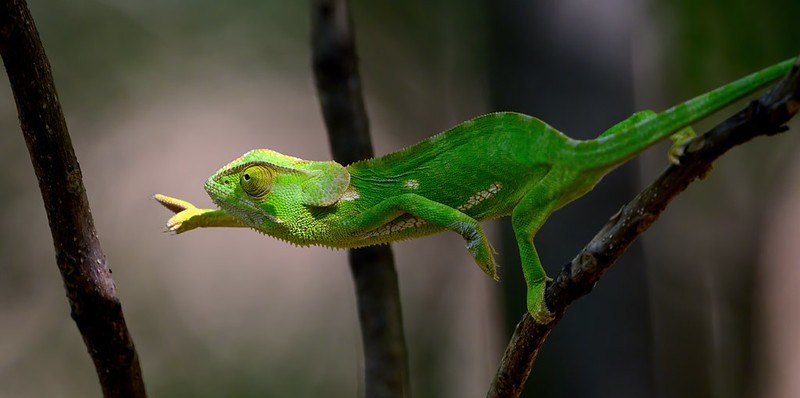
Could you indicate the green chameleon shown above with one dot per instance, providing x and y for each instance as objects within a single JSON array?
[{"x": 492, "y": 166}]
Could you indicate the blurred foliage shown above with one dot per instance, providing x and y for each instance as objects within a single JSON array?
[{"x": 706, "y": 39}]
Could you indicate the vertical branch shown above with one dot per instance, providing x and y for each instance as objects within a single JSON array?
[
  {"x": 92, "y": 296},
  {"x": 338, "y": 84}
]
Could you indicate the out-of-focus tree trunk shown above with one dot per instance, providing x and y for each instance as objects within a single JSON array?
[{"x": 572, "y": 68}]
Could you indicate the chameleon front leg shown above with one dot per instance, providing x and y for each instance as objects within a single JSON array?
[
  {"x": 429, "y": 211},
  {"x": 188, "y": 216}
]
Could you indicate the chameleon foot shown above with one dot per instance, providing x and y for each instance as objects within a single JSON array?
[
  {"x": 536, "y": 305},
  {"x": 478, "y": 246},
  {"x": 482, "y": 252},
  {"x": 680, "y": 141}
]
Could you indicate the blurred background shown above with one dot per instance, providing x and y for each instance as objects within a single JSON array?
[{"x": 158, "y": 95}]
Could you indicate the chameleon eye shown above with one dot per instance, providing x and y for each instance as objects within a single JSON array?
[{"x": 256, "y": 181}]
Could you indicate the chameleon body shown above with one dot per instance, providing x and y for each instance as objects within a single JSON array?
[{"x": 492, "y": 166}]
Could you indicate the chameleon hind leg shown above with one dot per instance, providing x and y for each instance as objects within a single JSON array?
[
  {"x": 383, "y": 218},
  {"x": 680, "y": 139},
  {"x": 527, "y": 218}
]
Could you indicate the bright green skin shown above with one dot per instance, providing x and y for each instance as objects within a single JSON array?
[{"x": 492, "y": 166}]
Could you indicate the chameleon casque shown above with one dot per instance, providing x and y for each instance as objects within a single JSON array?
[{"x": 494, "y": 165}]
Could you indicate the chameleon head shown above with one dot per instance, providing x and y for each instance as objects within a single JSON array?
[
  {"x": 257, "y": 186},
  {"x": 244, "y": 186}
]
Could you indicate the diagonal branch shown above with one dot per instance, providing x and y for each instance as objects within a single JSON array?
[
  {"x": 338, "y": 83},
  {"x": 766, "y": 116},
  {"x": 92, "y": 296}
]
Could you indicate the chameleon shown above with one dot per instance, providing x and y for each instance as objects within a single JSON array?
[{"x": 495, "y": 165}]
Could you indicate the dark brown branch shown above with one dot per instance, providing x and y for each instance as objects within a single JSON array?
[
  {"x": 91, "y": 292},
  {"x": 766, "y": 116},
  {"x": 338, "y": 83}
]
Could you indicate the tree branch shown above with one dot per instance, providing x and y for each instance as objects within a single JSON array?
[
  {"x": 338, "y": 83},
  {"x": 766, "y": 116},
  {"x": 92, "y": 296}
]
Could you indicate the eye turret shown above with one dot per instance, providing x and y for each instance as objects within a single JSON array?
[{"x": 256, "y": 181}]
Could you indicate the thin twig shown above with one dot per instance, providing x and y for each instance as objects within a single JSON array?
[
  {"x": 766, "y": 116},
  {"x": 92, "y": 296},
  {"x": 338, "y": 83}
]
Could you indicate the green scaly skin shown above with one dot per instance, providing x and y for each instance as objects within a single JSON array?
[{"x": 492, "y": 166}]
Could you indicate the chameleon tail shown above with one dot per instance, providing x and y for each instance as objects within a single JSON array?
[{"x": 605, "y": 151}]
